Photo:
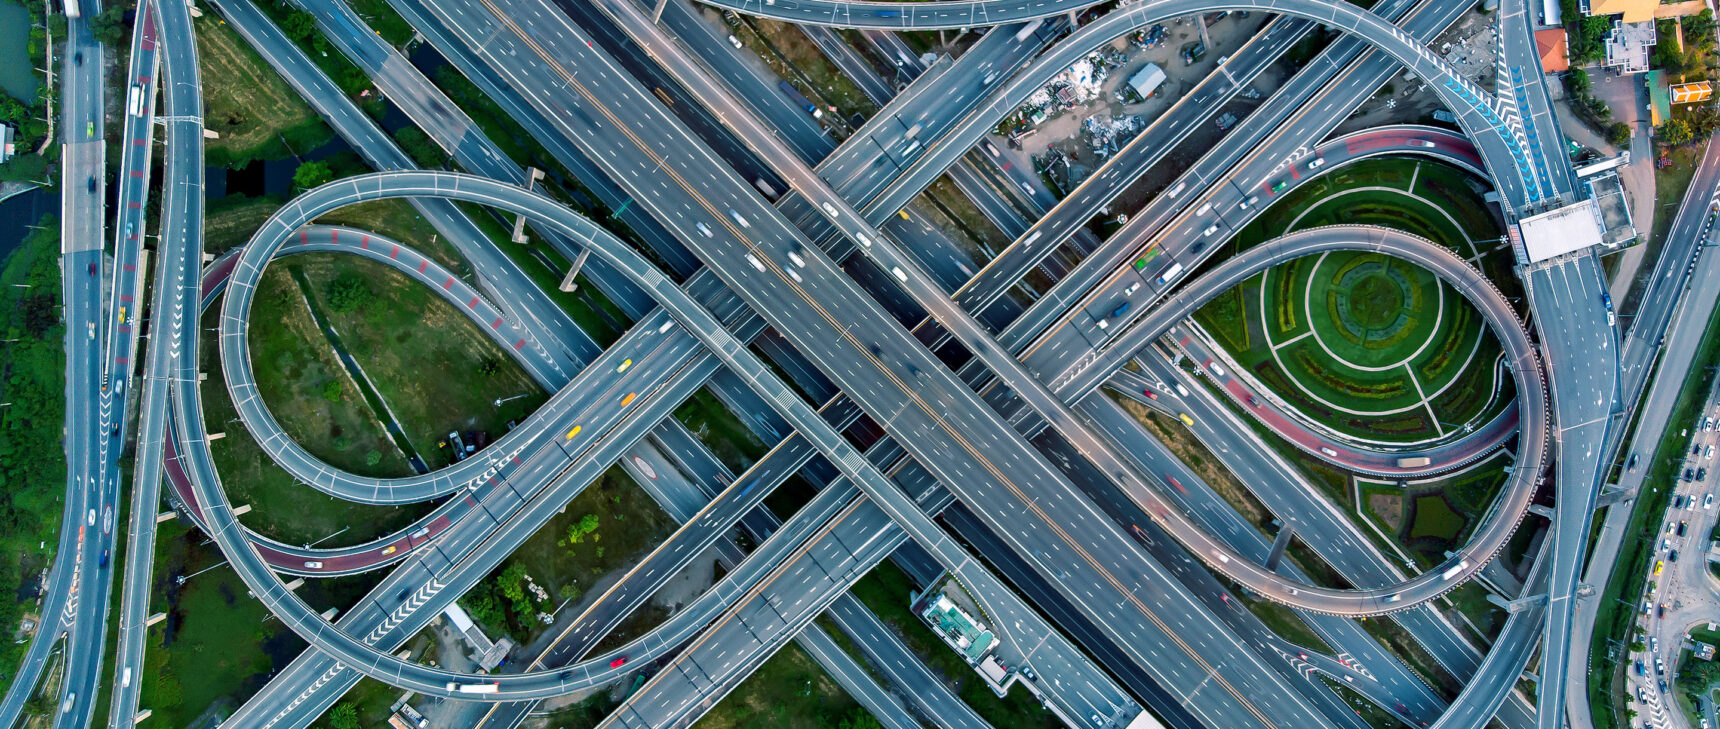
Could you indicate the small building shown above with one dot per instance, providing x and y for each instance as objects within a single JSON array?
[
  {"x": 1704, "y": 651},
  {"x": 6, "y": 143},
  {"x": 966, "y": 635},
  {"x": 1566, "y": 230},
  {"x": 488, "y": 654},
  {"x": 1633, "y": 11},
  {"x": 1692, "y": 92},
  {"x": 1550, "y": 46},
  {"x": 1628, "y": 45},
  {"x": 1147, "y": 80}
]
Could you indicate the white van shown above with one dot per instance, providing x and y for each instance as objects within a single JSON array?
[
  {"x": 795, "y": 257},
  {"x": 740, "y": 221},
  {"x": 754, "y": 261},
  {"x": 899, "y": 274},
  {"x": 312, "y": 565}
]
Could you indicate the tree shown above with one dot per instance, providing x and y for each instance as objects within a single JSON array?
[
  {"x": 109, "y": 26},
  {"x": 1675, "y": 131},
  {"x": 349, "y": 292},
  {"x": 372, "y": 458},
  {"x": 1577, "y": 81},
  {"x": 331, "y": 391},
  {"x": 311, "y": 174},
  {"x": 578, "y": 530},
  {"x": 299, "y": 25},
  {"x": 1618, "y": 134},
  {"x": 343, "y": 716}
]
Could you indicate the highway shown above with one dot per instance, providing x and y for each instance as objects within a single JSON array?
[
  {"x": 77, "y": 586},
  {"x": 127, "y": 300}
]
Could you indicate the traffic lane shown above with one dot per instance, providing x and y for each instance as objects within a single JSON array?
[{"x": 1468, "y": 446}]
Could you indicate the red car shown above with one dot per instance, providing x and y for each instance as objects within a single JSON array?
[
  {"x": 1150, "y": 394},
  {"x": 617, "y": 663},
  {"x": 1175, "y": 484}
]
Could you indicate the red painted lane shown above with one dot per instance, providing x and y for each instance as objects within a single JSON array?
[
  {"x": 304, "y": 237},
  {"x": 334, "y": 236},
  {"x": 364, "y": 243},
  {"x": 473, "y": 304},
  {"x": 122, "y": 360},
  {"x": 423, "y": 265},
  {"x": 137, "y": 174},
  {"x": 138, "y": 142},
  {"x": 133, "y": 205},
  {"x": 125, "y": 298},
  {"x": 395, "y": 252},
  {"x": 497, "y": 324},
  {"x": 448, "y": 285},
  {"x": 519, "y": 345}
]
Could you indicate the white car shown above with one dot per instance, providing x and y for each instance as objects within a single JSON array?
[
  {"x": 1424, "y": 143},
  {"x": 828, "y": 208},
  {"x": 703, "y": 229},
  {"x": 1130, "y": 291},
  {"x": 1708, "y": 453},
  {"x": 1316, "y": 163},
  {"x": 1210, "y": 230},
  {"x": 755, "y": 262},
  {"x": 740, "y": 221},
  {"x": 733, "y": 41},
  {"x": 91, "y": 521}
]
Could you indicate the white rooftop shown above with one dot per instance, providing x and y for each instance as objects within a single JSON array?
[{"x": 1568, "y": 229}]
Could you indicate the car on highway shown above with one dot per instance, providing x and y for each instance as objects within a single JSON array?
[
  {"x": 703, "y": 229},
  {"x": 618, "y": 662},
  {"x": 1150, "y": 394},
  {"x": 574, "y": 432},
  {"x": 1672, "y": 556},
  {"x": 1631, "y": 465},
  {"x": 1175, "y": 484},
  {"x": 1682, "y": 528},
  {"x": 1130, "y": 291},
  {"x": 1252, "y": 199},
  {"x": 1210, "y": 229},
  {"x": 628, "y": 400},
  {"x": 107, "y": 519},
  {"x": 1186, "y": 419},
  {"x": 92, "y": 269},
  {"x": 391, "y": 549},
  {"x": 733, "y": 41},
  {"x": 1708, "y": 502},
  {"x": 1659, "y": 567},
  {"x": 624, "y": 366},
  {"x": 740, "y": 221},
  {"x": 90, "y": 129},
  {"x": 755, "y": 262},
  {"x": 313, "y": 564},
  {"x": 1280, "y": 185},
  {"x": 1424, "y": 143},
  {"x": 66, "y": 706},
  {"x": 91, "y": 521},
  {"x": 1317, "y": 163},
  {"x": 92, "y": 328},
  {"x": 1708, "y": 453}
]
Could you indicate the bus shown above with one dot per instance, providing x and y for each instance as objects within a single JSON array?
[
  {"x": 72, "y": 8},
  {"x": 1028, "y": 29},
  {"x": 1170, "y": 273},
  {"x": 1413, "y": 462},
  {"x": 134, "y": 100}
]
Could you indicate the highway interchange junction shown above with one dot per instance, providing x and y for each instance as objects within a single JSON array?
[{"x": 999, "y": 448}]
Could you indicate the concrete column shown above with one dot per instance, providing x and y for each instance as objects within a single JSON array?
[
  {"x": 1279, "y": 544},
  {"x": 533, "y": 174},
  {"x": 567, "y": 282},
  {"x": 166, "y": 516},
  {"x": 153, "y": 619}
]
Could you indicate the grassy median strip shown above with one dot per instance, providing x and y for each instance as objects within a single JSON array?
[{"x": 1616, "y": 611}]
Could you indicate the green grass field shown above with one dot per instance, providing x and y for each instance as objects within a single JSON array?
[
  {"x": 251, "y": 108},
  {"x": 1356, "y": 340},
  {"x": 436, "y": 370},
  {"x": 789, "y": 690}
]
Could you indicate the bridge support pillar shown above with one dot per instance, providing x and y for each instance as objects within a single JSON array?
[
  {"x": 1609, "y": 497},
  {"x": 241, "y": 510},
  {"x": 1541, "y": 511},
  {"x": 153, "y": 619},
  {"x": 567, "y": 282},
  {"x": 166, "y": 516},
  {"x": 1518, "y": 605},
  {"x": 211, "y": 134},
  {"x": 1279, "y": 544},
  {"x": 295, "y": 584},
  {"x": 533, "y": 174},
  {"x": 1200, "y": 24},
  {"x": 212, "y": 437},
  {"x": 1074, "y": 19},
  {"x": 141, "y": 715},
  {"x": 657, "y": 12},
  {"x": 330, "y": 613}
]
